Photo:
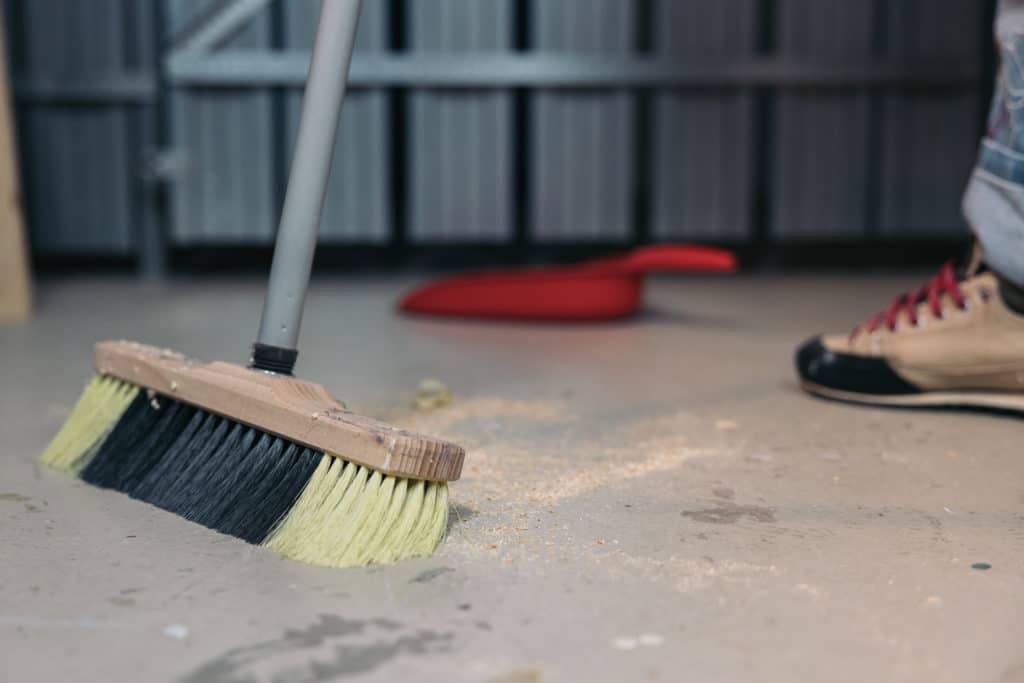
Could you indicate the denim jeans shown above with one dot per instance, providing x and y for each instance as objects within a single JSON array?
[{"x": 994, "y": 201}]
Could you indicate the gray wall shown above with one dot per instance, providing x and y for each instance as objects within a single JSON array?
[{"x": 729, "y": 120}]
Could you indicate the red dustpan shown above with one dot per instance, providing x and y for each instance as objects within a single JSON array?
[{"x": 597, "y": 290}]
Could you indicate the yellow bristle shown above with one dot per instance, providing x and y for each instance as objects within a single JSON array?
[
  {"x": 351, "y": 516},
  {"x": 99, "y": 408}
]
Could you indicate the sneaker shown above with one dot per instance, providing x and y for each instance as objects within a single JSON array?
[{"x": 956, "y": 342}]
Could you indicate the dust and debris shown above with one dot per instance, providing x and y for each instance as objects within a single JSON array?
[
  {"x": 933, "y": 601},
  {"x": 624, "y": 643},
  {"x": 518, "y": 676},
  {"x": 432, "y": 394},
  {"x": 484, "y": 408},
  {"x": 633, "y": 642},
  {"x": 726, "y": 425},
  {"x": 982, "y": 566},
  {"x": 176, "y": 631},
  {"x": 511, "y": 476},
  {"x": 684, "y": 574},
  {"x": 121, "y": 601},
  {"x": 650, "y": 639},
  {"x": 807, "y": 588}
]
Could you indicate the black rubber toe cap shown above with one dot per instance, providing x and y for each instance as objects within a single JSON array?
[{"x": 849, "y": 372}]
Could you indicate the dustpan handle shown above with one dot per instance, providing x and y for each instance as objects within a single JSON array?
[
  {"x": 681, "y": 258},
  {"x": 275, "y": 347}
]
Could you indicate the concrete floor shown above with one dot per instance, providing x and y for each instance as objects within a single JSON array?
[{"x": 652, "y": 500}]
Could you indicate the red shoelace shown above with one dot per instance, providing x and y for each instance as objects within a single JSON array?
[{"x": 945, "y": 283}]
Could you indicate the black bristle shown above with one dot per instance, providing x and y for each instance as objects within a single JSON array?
[
  {"x": 283, "y": 478},
  {"x": 137, "y": 442},
  {"x": 224, "y": 475},
  {"x": 168, "y": 483}
]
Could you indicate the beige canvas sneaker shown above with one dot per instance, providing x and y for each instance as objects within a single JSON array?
[{"x": 955, "y": 342}]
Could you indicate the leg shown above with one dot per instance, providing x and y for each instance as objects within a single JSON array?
[
  {"x": 994, "y": 202},
  {"x": 959, "y": 340}
]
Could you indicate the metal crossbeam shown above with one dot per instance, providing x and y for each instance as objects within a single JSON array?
[
  {"x": 259, "y": 68},
  {"x": 114, "y": 88}
]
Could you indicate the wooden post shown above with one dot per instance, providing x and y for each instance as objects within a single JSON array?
[{"x": 15, "y": 281}]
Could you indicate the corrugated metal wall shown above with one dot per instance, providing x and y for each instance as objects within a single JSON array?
[
  {"x": 581, "y": 156},
  {"x": 460, "y": 145},
  {"x": 82, "y": 148},
  {"x": 702, "y": 149},
  {"x": 741, "y": 160}
]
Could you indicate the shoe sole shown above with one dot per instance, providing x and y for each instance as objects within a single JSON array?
[{"x": 931, "y": 399}]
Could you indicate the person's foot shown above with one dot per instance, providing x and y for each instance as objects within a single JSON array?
[{"x": 958, "y": 341}]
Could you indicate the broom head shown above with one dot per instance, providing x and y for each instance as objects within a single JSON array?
[{"x": 269, "y": 458}]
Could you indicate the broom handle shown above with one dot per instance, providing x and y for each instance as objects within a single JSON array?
[{"x": 275, "y": 347}]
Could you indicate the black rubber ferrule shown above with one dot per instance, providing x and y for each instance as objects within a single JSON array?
[{"x": 273, "y": 359}]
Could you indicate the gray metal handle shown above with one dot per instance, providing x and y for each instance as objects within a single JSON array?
[{"x": 311, "y": 167}]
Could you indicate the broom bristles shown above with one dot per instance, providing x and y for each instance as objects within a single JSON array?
[
  {"x": 98, "y": 409},
  {"x": 301, "y": 504}
]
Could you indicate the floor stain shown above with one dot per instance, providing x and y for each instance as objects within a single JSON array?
[
  {"x": 730, "y": 513},
  {"x": 14, "y": 497},
  {"x": 724, "y": 492},
  {"x": 430, "y": 575},
  {"x": 1015, "y": 674},
  {"x": 121, "y": 601},
  {"x": 459, "y": 514},
  {"x": 329, "y": 649}
]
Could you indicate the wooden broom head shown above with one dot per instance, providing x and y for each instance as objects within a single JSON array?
[{"x": 291, "y": 408}]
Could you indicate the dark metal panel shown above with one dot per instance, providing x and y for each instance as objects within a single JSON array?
[
  {"x": 226, "y": 192},
  {"x": 358, "y": 204},
  {"x": 820, "y": 147},
  {"x": 702, "y": 141},
  {"x": 930, "y": 138},
  {"x": 81, "y": 173},
  {"x": 460, "y": 178},
  {"x": 581, "y": 143}
]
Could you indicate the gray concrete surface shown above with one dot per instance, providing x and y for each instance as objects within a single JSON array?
[{"x": 652, "y": 500}]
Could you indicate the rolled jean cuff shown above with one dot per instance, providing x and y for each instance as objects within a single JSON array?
[{"x": 994, "y": 207}]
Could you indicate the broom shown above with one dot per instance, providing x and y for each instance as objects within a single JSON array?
[{"x": 253, "y": 452}]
